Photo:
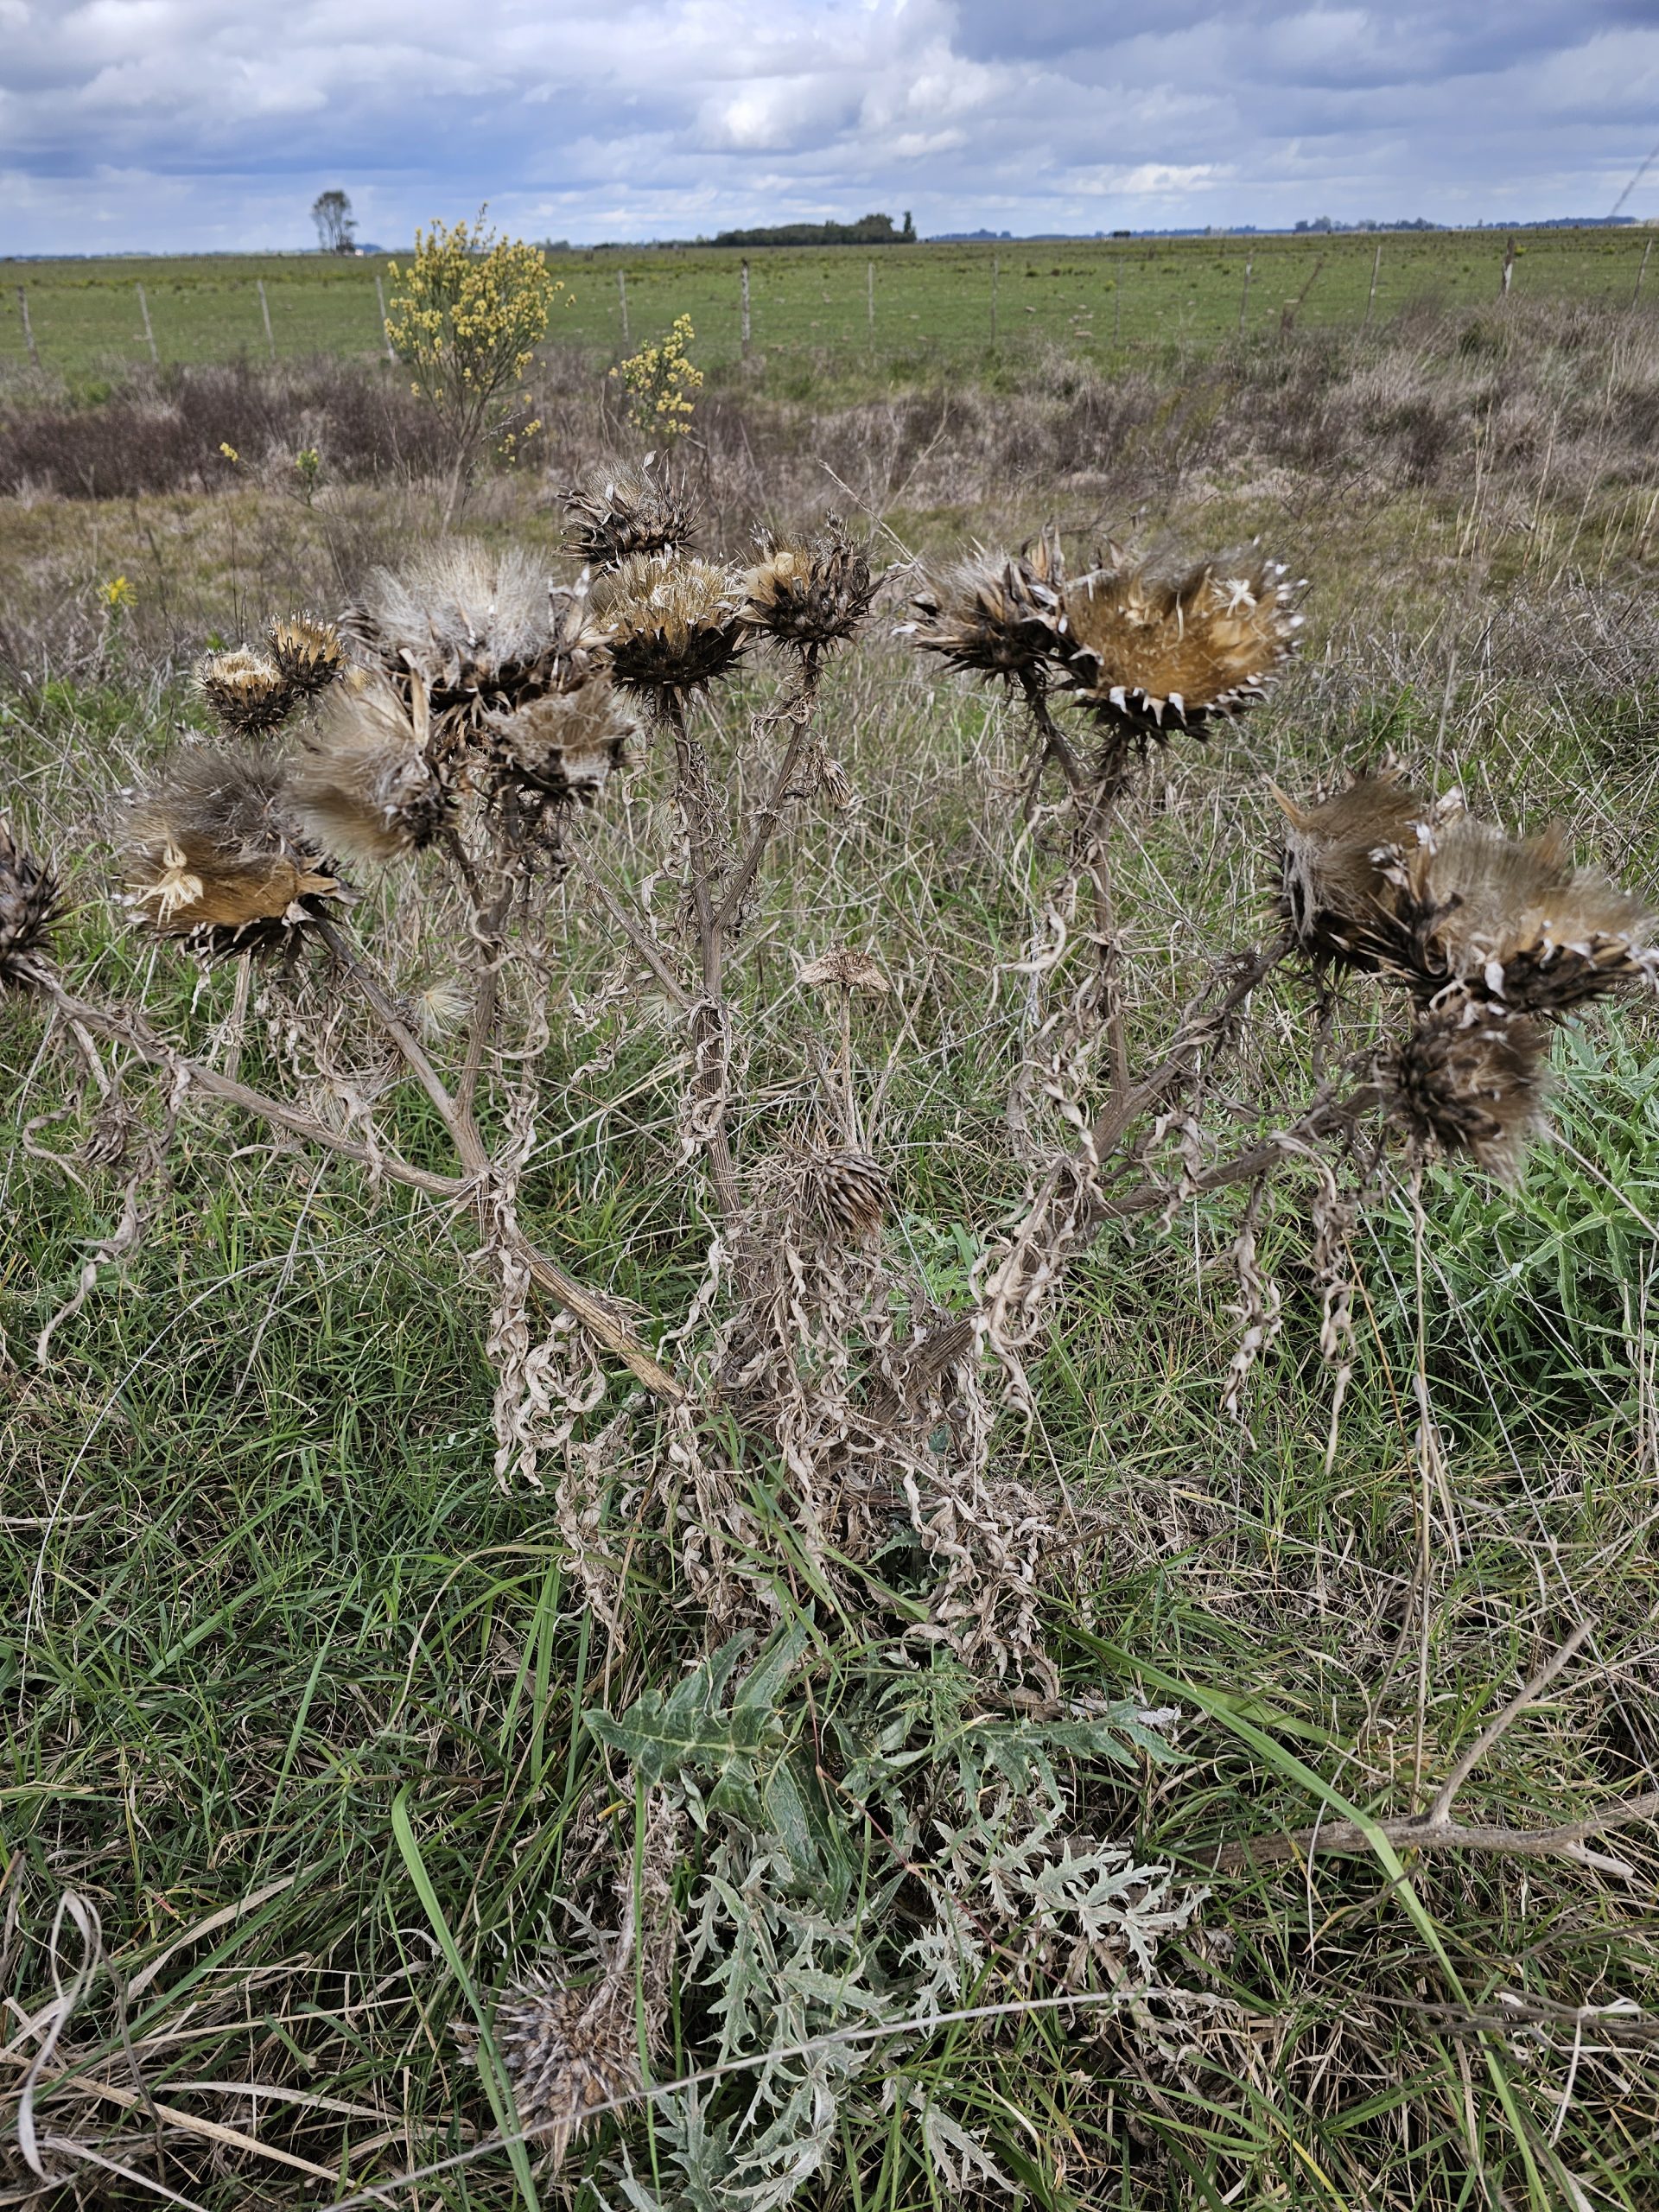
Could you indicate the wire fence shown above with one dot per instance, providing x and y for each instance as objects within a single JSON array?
[{"x": 81, "y": 320}]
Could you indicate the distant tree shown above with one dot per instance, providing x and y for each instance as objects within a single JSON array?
[
  {"x": 332, "y": 214},
  {"x": 909, "y": 231}
]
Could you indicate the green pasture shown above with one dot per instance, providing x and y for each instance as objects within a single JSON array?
[{"x": 87, "y": 317}]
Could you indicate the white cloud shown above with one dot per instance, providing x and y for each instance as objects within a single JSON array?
[{"x": 657, "y": 117}]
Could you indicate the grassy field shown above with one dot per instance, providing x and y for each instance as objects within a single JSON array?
[
  {"x": 881, "y": 309},
  {"x": 326, "y": 1733}
]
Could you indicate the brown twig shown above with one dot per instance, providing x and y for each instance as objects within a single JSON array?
[{"x": 1436, "y": 1830}]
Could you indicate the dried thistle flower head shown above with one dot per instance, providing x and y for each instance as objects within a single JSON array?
[
  {"x": 363, "y": 788},
  {"x": 1146, "y": 651},
  {"x": 246, "y": 691},
  {"x": 815, "y": 594},
  {"x": 1341, "y": 866},
  {"x": 996, "y": 617},
  {"x": 568, "y": 2051},
  {"x": 849, "y": 968},
  {"x": 28, "y": 901},
  {"x": 213, "y": 856},
  {"x": 833, "y": 1192},
  {"x": 307, "y": 650},
  {"x": 482, "y": 631},
  {"x": 673, "y": 624},
  {"x": 1513, "y": 921},
  {"x": 621, "y": 509},
  {"x": 565, "y": 744},
  {"x": 1469, "y": 1079}
]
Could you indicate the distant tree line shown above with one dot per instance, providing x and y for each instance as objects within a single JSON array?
[{"x": 869, "y": 230}]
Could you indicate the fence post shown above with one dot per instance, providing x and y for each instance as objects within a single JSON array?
[
  {"x": 993, "y": 273},
  {"x": 1370, "y": 297},
  {"x": 622, "y": 294},
  {"x": 1509, "y": 269},
  {"x": 870, "y": 293},
  {"x": 746, "y": 310},
  {"x": 1646, "y": 250},
  {"x": 265, "y": 309},
  {"x": 1117, "y": 304},
  {"x": 28, "y": 327},
  {"x": 144, "y": 308},
  {"x": 1244, "y": 299},
  {"x": 380, "y": 293}
]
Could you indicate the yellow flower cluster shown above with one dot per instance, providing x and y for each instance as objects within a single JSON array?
[
  {"x": 116, "y": 594},
  {"x": 473, "y": 309},
  {"x": 659, "y": 380}
]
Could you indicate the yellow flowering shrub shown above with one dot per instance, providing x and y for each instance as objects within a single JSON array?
[
  {"x": 659, "y": 380},
  {"x": 472, "y": 309}
]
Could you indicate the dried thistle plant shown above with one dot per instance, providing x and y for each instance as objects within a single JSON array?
[
  {"x": 673, "y": 624},
  {"x": 811, "y": 594},
  {"x": 215, "y": 856},
  {"x": 246, "y": 691},
  {"x": 620, "y": 509},
  {"x": 29, "y": 906}
]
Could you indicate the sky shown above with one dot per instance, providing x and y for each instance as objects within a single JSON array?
[{"x": 187, "y": 125}]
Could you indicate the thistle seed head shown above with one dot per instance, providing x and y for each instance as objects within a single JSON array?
[
  {"x": 1341, "y": 869},
  {"x": 674, "y": 625},
  {"x": 1469, "y": 1079},
  {"x": 214, "y": 857},
  {"x": 363, "y": 788},
  {"x": 1513, "y": 921},
  {"x": 1149, "y": 654},
  {"x": 815, "y": 594},
  {"x": 996, "y": 617},
  {"x": 481, "y": 632},
  {"x": 308, "y": 652},
  {"x": 565, "y": 744},
  {"x": 246, "y": 692},
  {"x": 28, "y": 901},
  {"x": 616, "y": 512}
]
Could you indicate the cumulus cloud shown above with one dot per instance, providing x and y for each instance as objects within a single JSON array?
[{"x": 214, "y": 123}]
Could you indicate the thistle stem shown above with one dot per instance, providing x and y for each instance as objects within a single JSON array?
[{"x": 696, "y": 805}]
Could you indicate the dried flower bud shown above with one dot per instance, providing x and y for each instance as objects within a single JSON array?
[
  {"x": 246, "y": 691},
  {"x": 674, "y": 625},
  {"x": 29, "y": 899},
  {"x": 618, "y": 511},
  {"x": 307, "y": 650},
  {"x": 814, "y": 593},
  {"x": 363, "y": 788},
  {"x": 1147, "y": 653},
  {"x": 1469, "y": 1079},
  {"x": 996, "y": 617},
  {"x": 214, "y": 857}
]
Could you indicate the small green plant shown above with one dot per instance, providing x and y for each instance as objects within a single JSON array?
[
  {"x": 659, "y": 380},
  {"x": 472, "y": 311},
  {"x": 307, "y": 470}
]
